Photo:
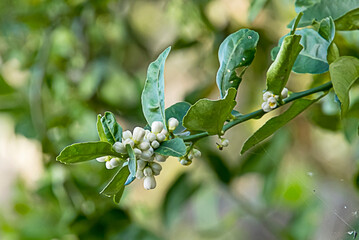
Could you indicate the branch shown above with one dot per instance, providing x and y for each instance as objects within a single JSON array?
[{"x": 259, "y": 113}]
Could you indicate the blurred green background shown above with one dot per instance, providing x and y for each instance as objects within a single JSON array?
[{"x": 65, "y": 61}]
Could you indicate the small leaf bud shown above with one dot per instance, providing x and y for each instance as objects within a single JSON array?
[
  {"x": 172, "y": 124},
  {"x": 156, "y": 127},
  {"x": 149, "y": 183}
]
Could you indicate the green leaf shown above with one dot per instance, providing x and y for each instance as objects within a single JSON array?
[
  {"x": 344, "y": 72},
  {"x": 111, "y": 128},
  {"x": 117, "y": 182},
  {"x": 313, "y": 57},
  {"x": 153, "y": 98},
  {"x": 174, "y": 147},
  {"x": 100, "y": 131},
  {"x": 327, "y": 29},
  {"x": 80, "y": 152},
  {"x": 255, "y": 7},
  {"x": 117, "y": 197},
  {"x": 301, "y": 5},
  {"x": 178, "y": 111},
  {"x": 333, "y": 53},
  {"x": 132, "y": 163},
  {"x": 349, "y": 21},
  {"x": 272, "y": 125},
  {"x": 209, "y": 115},
  {"x": 178, "y": 194},
  {"x": 237, "y": 50},
  {"x": 278, "y": 72},
  {"x": 326, "y": 8}
]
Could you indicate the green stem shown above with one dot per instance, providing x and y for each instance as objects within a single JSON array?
[
  {"x": 259, "y": 113},
  {"x": 295, "y": 25}
]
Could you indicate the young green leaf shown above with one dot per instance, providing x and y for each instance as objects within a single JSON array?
[
  {"x": 80, "y": 152},
  {"x": 209, "y": 115},
  {"x": 272, "y": 125},
  {"x": 237, "y": 50},
  {"x": 313, "y": 57},
  {"x": 111, "y": 128},
  {"x": 344, "y": 72},
  {"x": 278, "y": 72},
  {"x": 100, "y": 130},
  {"x": 132, "y": 163},
  {"x": 326, "y": 8},
  {"x": 174, "y": 147},
  {"x": 349, "y": 21},
  {"x": 116, "y": 184},
  {"x": 178, "y": 111},
  {"x": 153, "y": 98}
]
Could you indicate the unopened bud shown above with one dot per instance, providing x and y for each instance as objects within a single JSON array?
[
  {"x": 284, "y": 93},
  {"x": 144, "y": 145},
  {"x": 138, "y": 134},
  {"x": 149, "y": 183},
  {"x": 115, "y": 162},
  {"x": 141, "y": 164},
  {"x": 127, "y": 134},
  {"x": 151, "y": 137},
  {"x": 119, "y": 147},
  {"x": 137, "y": 152},
  {"x": 164, "y": 132},
  {"x": 101, "y": 159},
  {"x": 190, "y": 156},
  {"x": 147, "y": 171},
  {"x": 185, "y": 162},
  {"x": 157, "y": 127},
  {"x": 196, "y": 153},
  {"x": 155, "y": 144},
  {"x": 160, "y": 158},
  {"x": 129, "y": 141},
  {"x": 139, "y": 174},
  {"x": 161, "y": 137},
  {"x": 156, "y": 168},
  {"x": 224, "y": 142},
  {"x": 109, "y": 165},
  {"x": 172, "y": 124}
]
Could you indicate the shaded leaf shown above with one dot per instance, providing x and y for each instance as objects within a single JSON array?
[
  {"x": 153, "y": 99},
  {"x": 349, "y": 21},
  {"x": 272, "y": 125},
  {"x": 174, "y": 147},
  {"x": 301, "y": 5},
  {"x": 116, "y": 183},
  {"x": 117, "y": 197},
  {"x": 80, "y": 152},
  {"x": 237, "y": 50},
  {"x": 209, "y": 115},
  {"x": 178, "y": 111},
  {"x": 344, "y": 72},
  {"x": 278, "y": 72},
  {"x": 111, "y": 128},
  {"x": 100, "y": 131}
]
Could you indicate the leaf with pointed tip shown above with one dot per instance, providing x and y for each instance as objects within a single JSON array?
[
  {"x": 80, "y": 152},
  {"x": 210, "y": 115},
  {"x": 178, "y": 111},
  {"x": 116, "y": 183},
  {"x": 117, "y": 197},
  {"x": 111, "y": 128},
  {"x": 344, "y": 72},
  {"x": 272, "y": 125},
  {"x": 132, "y": 163},
  {"x": 174, "y": 147},
  {"x": 153, "y": 98},
  {"x": 278, "y": 72},
  {"x": 237, "y": 50},
  {"x": 100, "y": 130}
]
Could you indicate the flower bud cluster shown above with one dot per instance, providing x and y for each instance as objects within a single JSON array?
[
  {"x": 187, "y": 160},
  {"x": 143, "y": 143},
  {"x": 271, "y": 100},
  {"x": 223, "y": 142}
]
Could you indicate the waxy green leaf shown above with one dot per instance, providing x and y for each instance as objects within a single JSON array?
[
  {"x": 278, "y": 72},
  {"x": 153, "y": 98},
  {"x": 210, "y": 115},
  {"x": 349, "y": 21},
  {"x": 343, "y": 73},
  {"x": 272, "y": 125},
  {"x": 117, "y": 183},
  {"x": 174, "y": 147},
  {"x": 132, "y": 163},
  {"x": 237, "y": 50},
  {"x": 111, "y": 128},
  {"x": 178, "y": 111},
  {"x": 100, "y": 130},
  {"x": 80, "y": 152},
  {"x": 325, "y": 8},
  {"x": 301, "y": 5}
]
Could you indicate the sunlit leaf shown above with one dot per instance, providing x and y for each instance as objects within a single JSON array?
[
  {"x": 178, "y": 111},
  {"x": 344, "y": 72},
  {"x": 174, "y": 147},
  {"x": 210, "y": 115},
  {"x": 237, "y": 50},
  {"x": 153, "y": 98}
]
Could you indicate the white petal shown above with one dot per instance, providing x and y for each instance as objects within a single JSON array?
[
  {"x": 119, "y": 147},
  {"x": 101, "y": 159},
  {"x": 149, "y": 183}
]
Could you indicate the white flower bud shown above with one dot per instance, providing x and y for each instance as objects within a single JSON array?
[
  {"x": 147, "y": 171},
  {"x": 161, "y": 137},
  {"x": 160, "y": 158},
  {"x": 147, "y": 154},
  {"x": 156, "y": 127},
  {"x": 151, "y": 137},
  {"x": 224, "y": 142},
  {"x": 109, "y": 165},
  {"x": 129, "y": 141},
  {"x": 172, "y": 124},
  {"x": 190, "y": 156},
  {"x": 267, "y": 95},
  {"x": 149, "y": 183},
  {"x": 141, "y": 164},
  {"x": 265, "y": 107},
  {"x": 144, "y": 145},
  {"x": 127, "y": 134},
  {"x": 138, "y": 134},
  {"x": 155, "y": 144},
  {"x": 156, "y": 168},
  {"x": 272, "y": 102},
  {"x": 185, "y": 162},
  {"x": 101, "y": 159},
  {"x": 196, "y": 153},
  {"x": 164, "y": 132},
  {"x": 284, "y": 93},
  {"x": 119, "y": 147},
  {"x": 115, "y": 162},
  {"x": 137, "y": 152},
  {"x": 139, "y": 174}
]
